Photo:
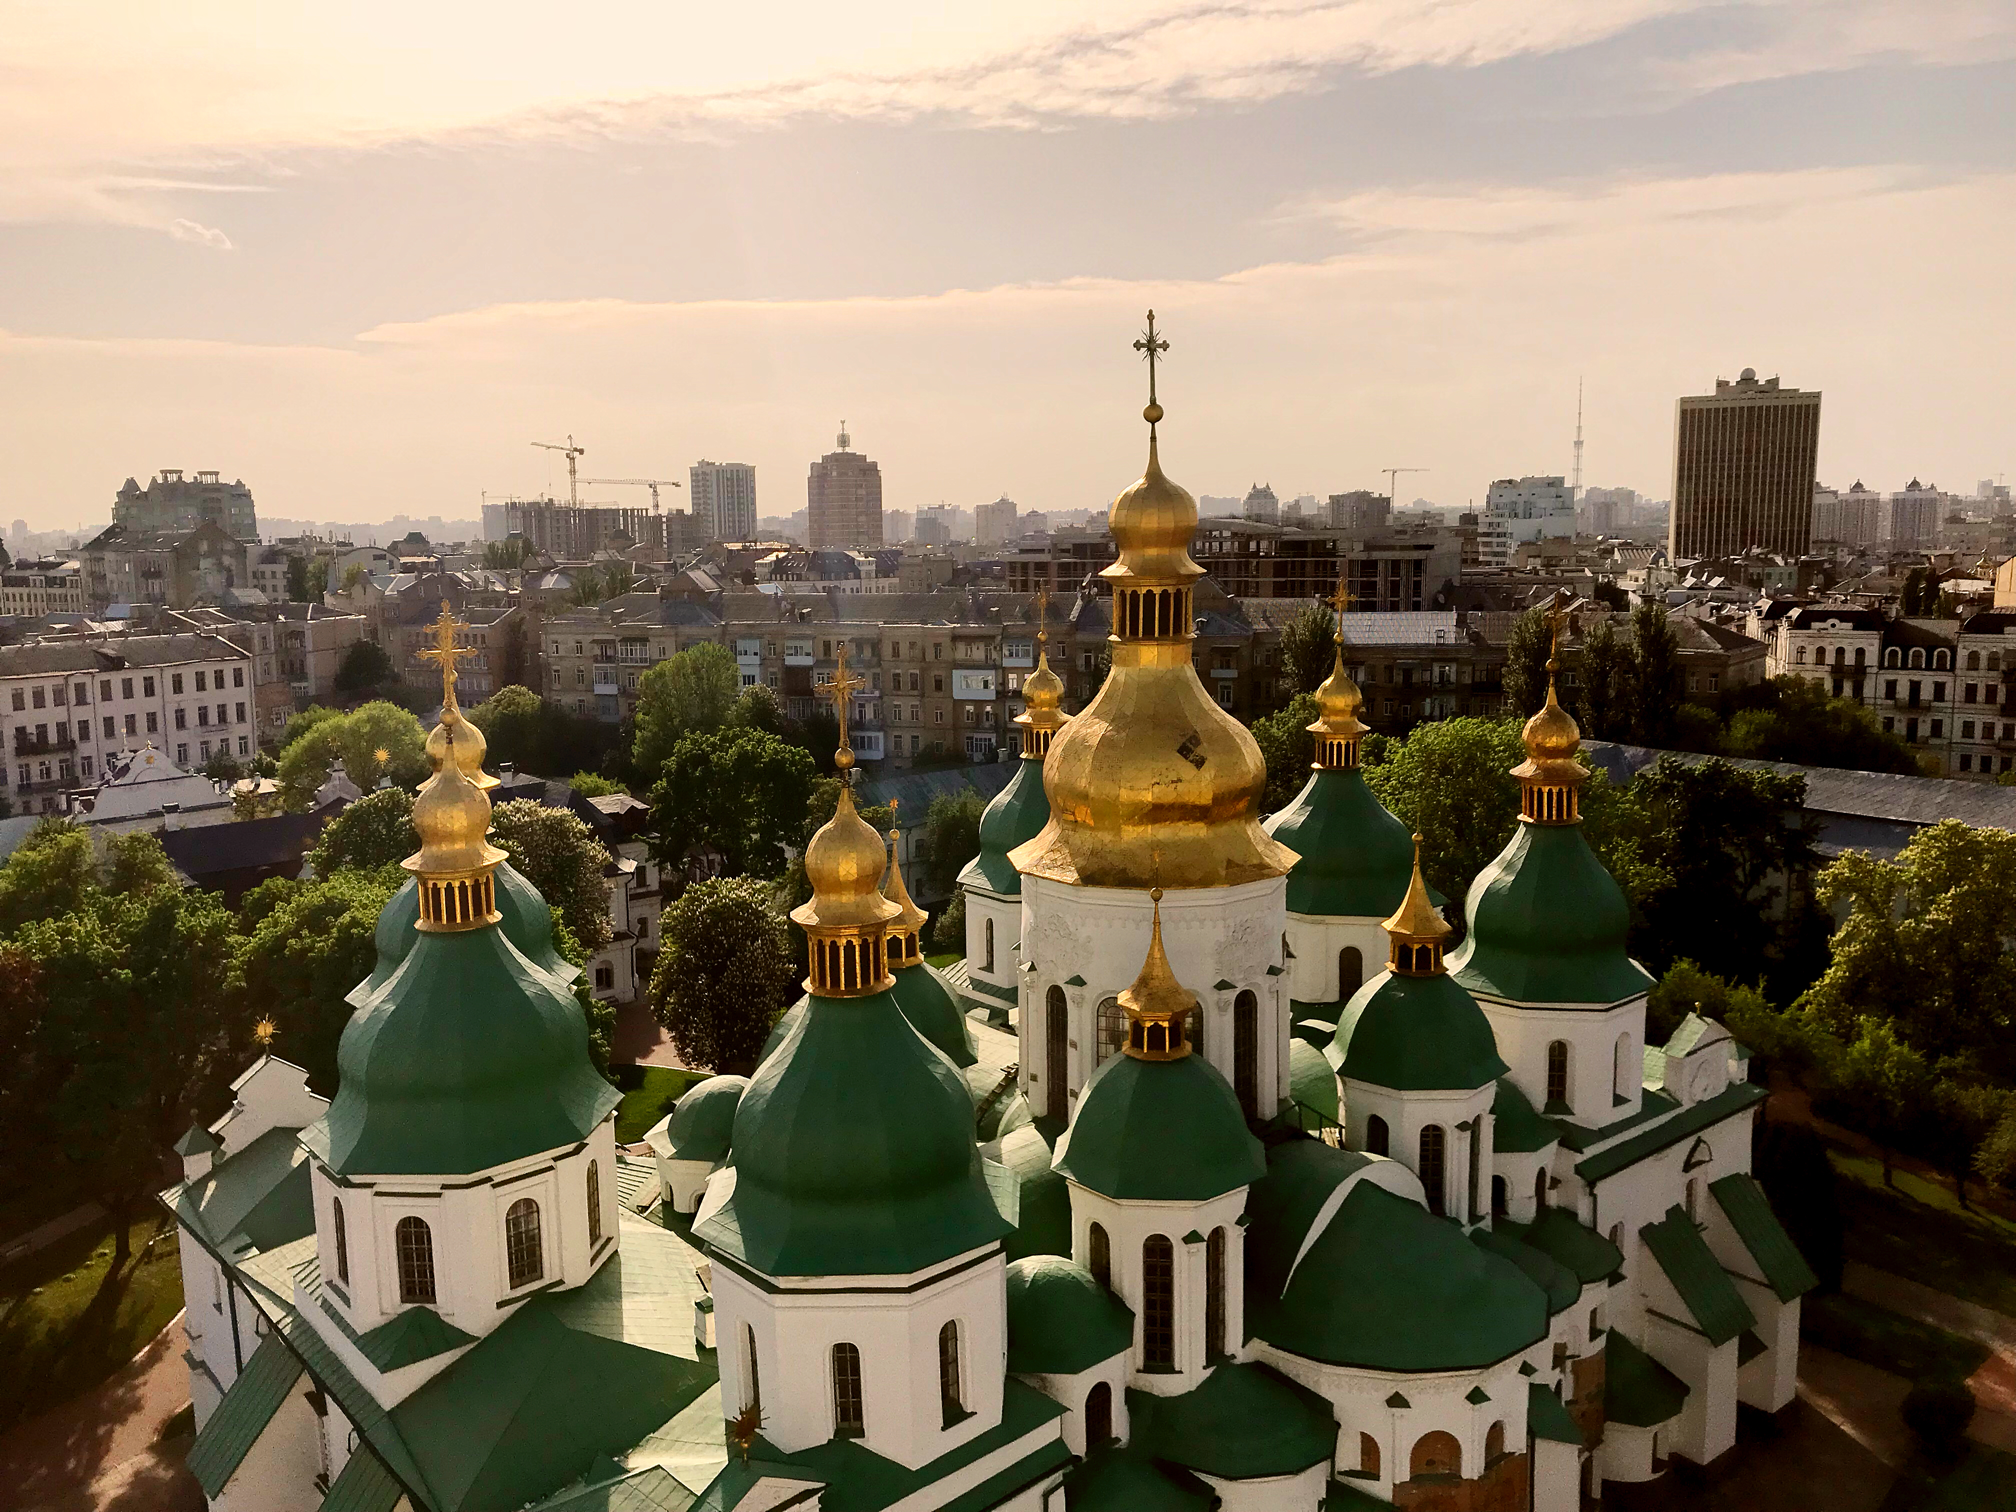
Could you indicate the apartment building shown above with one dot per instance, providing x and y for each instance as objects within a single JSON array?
[
  {"x": 494, "y": 637},
  {"x": 35, "y": 588},
  {"x": 68, "y": 705},
  {"x": 296, "y": 650},
  {"x": 843, "y": 499},
  {"x": 177, "y": 571},
  {"x": 172, "y": 504}
]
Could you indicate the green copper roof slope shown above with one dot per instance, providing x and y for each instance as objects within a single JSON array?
[
  {"x": 1017, "y": 814},
  {"x": 1416, "y": 1034},
  {"x": 364, "y": 1485},
  {"x": 782, "y": 1028},
  {"x": 1043, "y": 1215},
  {"x": 394, "y": 935},
  {"x": 1743, "y": 1202},
  {"x": 1160, "y": 1131},
  {"x": 1301, "y": 1174},
  {"x": 1547, "y": 1417},
  {"x": 527, "y": 922},
  {"x": 469, "y": 1057},
  {"x": 1356, "y": 856},
  {"x": 1559, "y": 1234},
  {"x": 704, "y": 1120},
  {"x": 237, "y": 1421},
  {"x": 1718, "y": 1308},
  {"x": 1060, "y": 1320},
  {"x": 1311, "y": 1081},
  {"x": 408, "y": 1337},
  {"x": 1388, "y": 1286},
  {"x": 1548, "y": 924},
  {"x": 1116, "y": 1479},
  {"x": 932, "y": 1007},
  {"x": 1549, "y": 1275},
  {"x": 1638, "y": 1391},
  {"x": 1516, "y": 1129},
  {"x": 854, "y": 1152},
  {"x": 1241, "y": 1423}
]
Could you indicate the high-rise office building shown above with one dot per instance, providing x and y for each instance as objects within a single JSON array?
[
  {"x": 722, "y": 496},
  {"x": 1743, "y": 464},
  {"x": 997, "y": 522},
  {"x": 843, "y": 499}
]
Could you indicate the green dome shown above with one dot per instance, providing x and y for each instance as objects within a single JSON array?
[
  {"x": 1160, "y": 1131},
  {"x": 1043, "y": 1212},
  {"x": 1311, "y": 1081},
  {"x": 1061, "y": 1321},
  {"x": 1387, "y": 1285},
  {"x": 705, "y": 1118},
  {"x": 1119, "y": 1479},
  {"x": 1543, "y": 1271},
  {"x": 394, "y": 936},
  {"x": 779, "y": 1030},
  {"x": 528, "y": 922},
  {"x": 1415, "y": 1034},
  {"x": 468, "y": 1057},
  {"x": 1356, "y": 856},
  {"x": 1548, "y": 924},
  {"x": 928, "y": 1001},
  {"x": 1017, "y": 814},
  {"x": 1245, "y": 1422},
  {"x": 854, "y": 1152}
]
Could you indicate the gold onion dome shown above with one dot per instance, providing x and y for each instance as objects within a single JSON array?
[
  {"x": 467, "y": 744},
  {"x": 846, "y": 923},
  {"x": 1153, "y": 764},
  {"x": 1157, "y": 1004},
  {"x": 1550, "y": 774},
  {"x": 907, "y": 925},
  {"x": 1416, "y": 928},
  {"x": 455, "y": 865}
]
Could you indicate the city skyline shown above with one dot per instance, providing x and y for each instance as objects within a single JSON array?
[{"x": 1380, "y": 234}]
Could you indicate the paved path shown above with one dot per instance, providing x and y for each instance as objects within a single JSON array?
[
  {"x": 102, "y": 1451},
  {"x": 1994, "y": 1384},
  {"x": 50, "y": 1232},
  {"x": 639, "y": 1039},
  {"x": 1859, "y": 1399}
]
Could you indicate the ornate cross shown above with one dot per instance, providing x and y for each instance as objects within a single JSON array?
[
  {"x": 1341, "y": 600},
  {"x": 1042, "y": 615},
  {"x": 841, "y": 691},
  {"x": 446, "y": 652},
  {"x": 1152, "y": 347},
  {"x": 1557, "y": 619}
]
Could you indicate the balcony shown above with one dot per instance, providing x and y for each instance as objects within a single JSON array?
[{"x": 31, "y": 745}]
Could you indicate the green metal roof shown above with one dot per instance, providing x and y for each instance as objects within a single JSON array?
[
  {"x": 854, "y": 1152},
  {"x": 363, "y": 1485},
  {"x": 1562, "y": 1237},
  {"x": 1160, "y": 1131},
  {"x": 1652, "y": 1106},
  {"x": 468, "y": 1057},
  {"x": 527, "y": 922},
  {"x": 1416, "y": 1034},
  {"x": 1311, "y": 1082},
  {"x": 198, "y": 1141},
  {"x": 238, "y": 1420},
  {"x": 1357, "y": 858},
  {"x": 1122, "y": 1479},
  {"x": 785, "y": 1023},
  {"x": 932, "y": 1007},
  {"x": 261, "y": 1197},
  {"x": 415, "y": 1334},
  {"x": 1060, "y": 1320},
  {"x": 1387, "y": 1285},
  {"x": 1515, "y": 1128},
  {"x": 1544, "y": 1271},
  {"x": 1749, "y": 1346},
  {"x": 1742, "y": 1200},
  {"x": 1301, "y": 1175},
  {"x": 1638, "y": 1391},
  {"x": 394, "y": 935},
  {"x": 704, "y": 1118},
  {"x": 1043, "y": 1215},
  {"x": 1017, "y": 814},
  {"x": 1547, "y": 1418},
  {"x": 1342, "y": 1496},
  {"x": 1241, "y": 1422},
  {"x": 1698, "y": 1276},
  {"x": 1688, "y": 1122},
  {"x": 654, "y": 1489},
  {"x": 1548, "y": 924}
]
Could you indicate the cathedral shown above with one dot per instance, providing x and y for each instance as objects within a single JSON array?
[{"x": 1286, "y": 1205}]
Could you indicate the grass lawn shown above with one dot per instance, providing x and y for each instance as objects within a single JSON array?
[
  {"x": 1982, "y": 1478},
  {"x": 1890, "y": 1341},
  {"x": 1920, "y": 1231},
  {"x": 64, "y": 1327},
  {"x": 943, "y": 959},
  {"x": 644, "y": 1104}
]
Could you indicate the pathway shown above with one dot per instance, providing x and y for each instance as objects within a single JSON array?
[
  {"x": 639, "y": 1039},
  {"x": 48, "y": 1233},
  {"x": 1994, "y": 1384}
]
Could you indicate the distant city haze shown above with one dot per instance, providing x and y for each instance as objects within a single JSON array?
[{"x": 364, "y": 277}]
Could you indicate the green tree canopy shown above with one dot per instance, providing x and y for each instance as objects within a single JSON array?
[
  {"x": 301, "y": 723},
  {"x": 375, "y": 740},
  {"x": 595, "y": 785},
  {"x": 698, "y": 689},
  {"x": 306, "y": 945},
  {"x": 1287, "y": 747},
  {"x": 724, "y": 972},
  {"x": 1526, "y": 652},
  {"x": 1658, "y": 685},
  {"x": 951, "y": 838},
  {"x": 1308, "y": 650},
  {"x": 558, "y": 854},
  {"x": 536, "y": 736},
  {"x": 1452, "y": 783},
  {"x": 739, "y": 792},
  {"x": 1796, "y": 719},
  {"x": 1604, "y": 708},
  {"x": 61, "y": 867},
  {"x": 365, "y": 666},
  {"x": 373, "y": 833}
]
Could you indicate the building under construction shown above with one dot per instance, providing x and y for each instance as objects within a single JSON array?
[{"x": 575, "y": 532}]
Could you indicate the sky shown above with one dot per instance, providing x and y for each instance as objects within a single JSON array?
[{"x": 363, "y": 255}]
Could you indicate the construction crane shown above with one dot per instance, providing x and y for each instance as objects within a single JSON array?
[
  {"x": 654, "y": 484},
  {"x": 574, "y": 453},
  {"x": 1392, "y": 477}
]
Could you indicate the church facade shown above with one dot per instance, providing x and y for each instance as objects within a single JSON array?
[{"x": 1285, "y": 1208}]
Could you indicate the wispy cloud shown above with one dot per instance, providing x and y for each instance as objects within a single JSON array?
[{"x": 203, "y": 236}]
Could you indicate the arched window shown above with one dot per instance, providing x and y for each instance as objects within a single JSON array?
[
  {"x": 1890, "y": 656},
  {"x": 413, "y": 1244},
  {"x": 1494, "y": 1444},
  {"x": 1246, "y": 1051},
  {"x": 1158, "y": 1303},
  {"x": 1994, "y": 661},
  {"x": 1350, "y": 971},
  {"x": 342, "y": 1234},
  {"x": 1056, "y": 1054},
  {"x": 594, "y": 1203},
  {"x": 1973, "y": 661},
  {"x": 1375, "y": 1135},
  {"x": 950, "y": 1399},
  {"x": 1622, "y": 1072},
  {"x": 1436, "y": 1454},
  {"x": 1214, "y": 1295},
  {"x": 1861, "y": 655},
  {"x": 848, "y": 1421},
  {"x": 1098, "y": 1415},
  {"x": 1557, "y": 1072},
  {"x": 1430, "y": 1170},
  {"x": 1500, "y": 1197},
  {"x": 1539, "y": 1191},
  {"x": 1917, "y": 656},
  {"x": 1368, "y": 1454},
  {"x": 1101, "y": 1256},
  {"x": 1840, "y": 655},
  {"x": 523, "y": 1255},
  {"x": 1941, "y": 659},
  {"x": 987, "y": 936},
  {"x": 1112, "y": 1028},
  {"x": 752, "y": 1393}
]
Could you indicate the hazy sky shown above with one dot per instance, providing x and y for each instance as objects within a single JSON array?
[{"x": 362, "y": 254}]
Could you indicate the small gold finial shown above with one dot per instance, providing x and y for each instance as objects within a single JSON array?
[
  {"x": 447, "y": 652},
  {"x": 841, "y": 690},
  {"x": 1157, "y": 1005},
  {"x": 1337, "y": 727},
  {"x": 1043, "y": 616},
  {"x": 265, "y": 1032},
  {"x": 906, "y": 930},
  {"x": 1550, "y": 775},
  {"x": 1557, "y": 619},
  {"x": 1151, "y": 347},
  {"x": 1339, "y": 601}
]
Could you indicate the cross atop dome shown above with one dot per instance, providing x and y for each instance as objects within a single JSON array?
[
  {"x": 841, "y": 690},
  {"x": 1151, "y": 347},
  {"x": 447, "y": 651}
]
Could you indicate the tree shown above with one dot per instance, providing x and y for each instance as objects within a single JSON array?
[
  {"x": 948, "y": 932},
  {"x": 1285, "y": 745},
  {"x": 558, "y": 854},
  {"x": 1526, "y": 651},
  {"x": 376, "y": 739},
  {"x": 297, "y": 580},
  {"x": 365, "y": 666},
  {"x": 595, "y": 785},
  {"x": 507, "y": 555},
  {"x": 724, "y": 972},
  {"x": 1308, "y": 650},
  {"x": 535, "y": 736},
  {"x": 300, "y": 724},
  {"x": 306, "y": 945},
  {"x": 759, "y": 709},
  {"x": 223, "y": 767},
  {"x": 1603, "y": 710},
  {"x": 951, "y": 838},
  {"x": 371, "y": 834},
  {"x": 818, "y": 735},
  {"x": 739, "y": 793},
  {"x": 57, "y": 870},
  {"x": 695, "y": 690},
  {"x": 1451, "y": 781},
  {"x": 1657, "y": 682},
  {"x": 1938, "y": 1410},
  {"x": 1792, "y": 1165},
  {"x": 1886, "y": 1087},
  {"x": 1795, "y": 719}
]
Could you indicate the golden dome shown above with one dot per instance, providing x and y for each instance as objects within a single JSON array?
[
  {"x": 909, "y": 918},
  {"x": 452, "y": 816},
  {"x": 1043, "y": 697},
  {"x": 467, "y": 743},
  {"x": 844, "y": 864},
  {"x": 1337, "y": 727},
  {"x": 1417, "y": 919},
  {"x": 1157, "y": 1003},
  {"x": 1552, "y": 734},
  {"x": 1550, "y": 775},
  {"x": 1153, "y": 521}
]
